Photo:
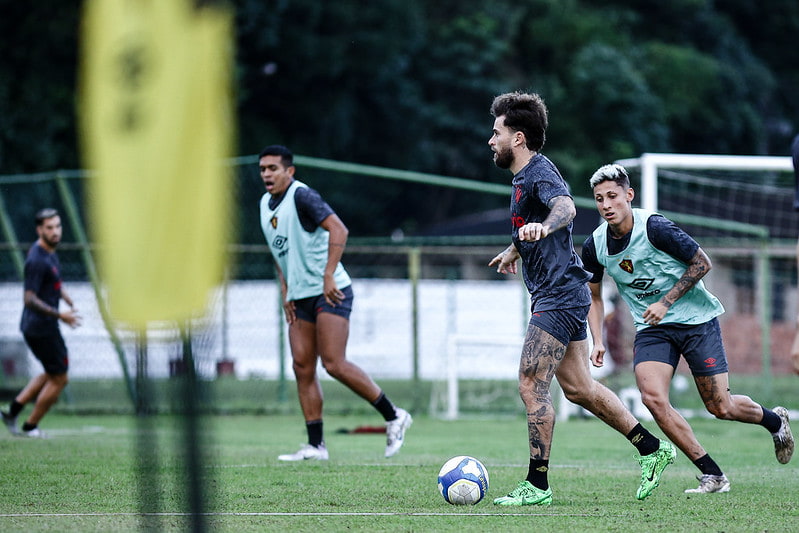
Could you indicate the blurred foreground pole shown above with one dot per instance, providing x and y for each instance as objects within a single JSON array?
[
  {"x": 146, "y": 441},
  {"x": 156, "y": 124}
]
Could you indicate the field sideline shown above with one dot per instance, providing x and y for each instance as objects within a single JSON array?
[{"x": 83, "y": 478}]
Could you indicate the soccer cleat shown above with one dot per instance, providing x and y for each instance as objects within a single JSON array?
[
  {"x": 307, "y": 452},
  {"x": 526, "y": 494},
  {"x": 652, "y": 466},
  {"x": 709, "y": 483},
  {"x": 10, "y": 422},
  {"x": 395, "y": 431},
  {"x": 34, "y": 433},
  {"x": 783, "y": 439}
]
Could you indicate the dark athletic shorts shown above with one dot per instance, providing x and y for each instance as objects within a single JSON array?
[
  {"x": 700, "y": 345},
  {"x": 51, "y": 351},
  {"x": 566, "y": 325},
  {"x": 308, "y": 308}
]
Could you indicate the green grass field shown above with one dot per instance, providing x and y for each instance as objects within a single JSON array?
[{"x": 84, "y": 478}]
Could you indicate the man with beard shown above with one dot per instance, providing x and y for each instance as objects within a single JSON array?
[
  {"x": 39, "y": 325},
  {"x": 556, "y": 342}
]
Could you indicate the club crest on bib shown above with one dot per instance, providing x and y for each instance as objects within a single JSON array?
[
  {"x": 626, "y": 265},
  {"x": 273, "y": 221}
]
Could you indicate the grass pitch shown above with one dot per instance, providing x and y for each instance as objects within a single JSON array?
[{"x": 85, "y": 478}]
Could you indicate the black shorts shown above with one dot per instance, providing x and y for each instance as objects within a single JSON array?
[
  {"x": 51, "y": 351},
  {"x": 700, "y": 345},
  {"x": 309, "y": 308},
  {"x": 566, "y": 325}
]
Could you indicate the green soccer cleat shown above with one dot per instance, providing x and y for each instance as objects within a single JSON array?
[
  {"x": 526, "y": 494},
  {"x": 652, "y": 466}
]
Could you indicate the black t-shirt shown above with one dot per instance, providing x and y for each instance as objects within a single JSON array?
[
  {"x": 43, "y": 277},
  {"x": 311, "y": 208},
  {"x": 661, "y": 232},
  {"x": 551, "y": 268}
]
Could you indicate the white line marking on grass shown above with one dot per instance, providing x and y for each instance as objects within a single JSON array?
[{"x": 75, "y": 515}]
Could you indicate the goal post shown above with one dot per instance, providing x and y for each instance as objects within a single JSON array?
[{"x": 650, "y": 163}]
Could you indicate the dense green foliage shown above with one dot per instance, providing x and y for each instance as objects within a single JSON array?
[{"x": 408, "y": 84}]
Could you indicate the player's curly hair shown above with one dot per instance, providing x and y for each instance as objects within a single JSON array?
[{"x": 526, "y": 113}]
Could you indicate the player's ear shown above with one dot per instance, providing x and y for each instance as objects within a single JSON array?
[
  {"x": 630, "y": 194},
  {"x": 290, "y": 170}
]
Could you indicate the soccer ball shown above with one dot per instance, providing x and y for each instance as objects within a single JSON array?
[{"x": 463, "y": 480}]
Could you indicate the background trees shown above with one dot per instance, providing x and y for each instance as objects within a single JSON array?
[{"x": 408, "y": 84}]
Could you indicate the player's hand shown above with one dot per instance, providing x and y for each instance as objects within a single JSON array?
[
  {"x": 534, "y": 231},
  {"x": 598, "y": 355},
  {"x": 654, "y": 313},
  {"x": 72, "y": 318},
  {"x": 333, "y": 296},
  {"x": 290, "y": 311},
  {"x": 505, "y": 262}
]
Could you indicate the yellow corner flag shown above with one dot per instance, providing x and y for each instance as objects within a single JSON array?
[{"x": 156, "y": 124}]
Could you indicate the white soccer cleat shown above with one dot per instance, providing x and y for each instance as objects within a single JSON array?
[
  {"x": 10, "y": 422},
  {"x": 783, "y": 439},
  {"x": 709, "y": 484},
  {"x": 307, "y": 452},
  {"x": 34, "y": 433},
  {"x": 395, "y": 431}
]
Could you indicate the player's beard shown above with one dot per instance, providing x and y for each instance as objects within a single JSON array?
[
  {"x": 52, "y": 242},
  {"x": 503, "y": 158}
]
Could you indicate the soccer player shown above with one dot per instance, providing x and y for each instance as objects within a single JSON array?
[
  {"x": 795, "y": 157},
  {"x": 42, "y": 292},
  {"x": 556, "y": 343},
  {"x": 658, "y": 270},
  {"x": 307, "y": 240}
]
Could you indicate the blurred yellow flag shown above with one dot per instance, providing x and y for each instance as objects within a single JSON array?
[{"x": 156, "y": 126}]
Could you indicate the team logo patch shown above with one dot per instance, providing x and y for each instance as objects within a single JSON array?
[
  {"x": 626, "y": 265},
  {"x": 518, "y": 194},
  {"x": 280, "y": 242},
  {"x": 273, "y": 221},
  {"x": 641, "y": 284}
]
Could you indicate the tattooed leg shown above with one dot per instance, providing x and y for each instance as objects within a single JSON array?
[
  {"x": 715, "y": 392},
  {"x": 541, "y": 355}
]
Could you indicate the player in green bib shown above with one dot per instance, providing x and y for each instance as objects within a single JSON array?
[
  {"x": 307, "y": 240},
  {"x": 658, "y": 271}
]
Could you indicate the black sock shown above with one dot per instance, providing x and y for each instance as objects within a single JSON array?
[
  {"x": 708, "y": 466},
  {"x": 537, "y": 473},
  {"x": 771, "y": 420},
  {"x": 28, "y": 427},
  {"x": 643, "y": 440},
  {"x": 16, "y": 407},
  {"x": 315, "y": 434},
  {"x": 385, "y": 407}
]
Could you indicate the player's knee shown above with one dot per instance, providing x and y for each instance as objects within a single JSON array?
[
  {"x": 720, "y": 410},
  {"x": 655, "y": 402},
  {"x": 575, "y": 394},
  {"x": 303, "y": 370},
  {"x": 336, "y": 369}
]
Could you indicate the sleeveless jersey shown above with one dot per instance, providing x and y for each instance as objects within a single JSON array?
[
  {"x": 301, "y": 255},
  {"x": 643, "y": 274}
]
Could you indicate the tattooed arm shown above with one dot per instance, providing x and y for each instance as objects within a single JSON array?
[
  {"x": 561, "y": 212},
  {"x": 697, "y": 268}
]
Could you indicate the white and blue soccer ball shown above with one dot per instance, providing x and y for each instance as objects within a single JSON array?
[{"x": 463, "y": 480}]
